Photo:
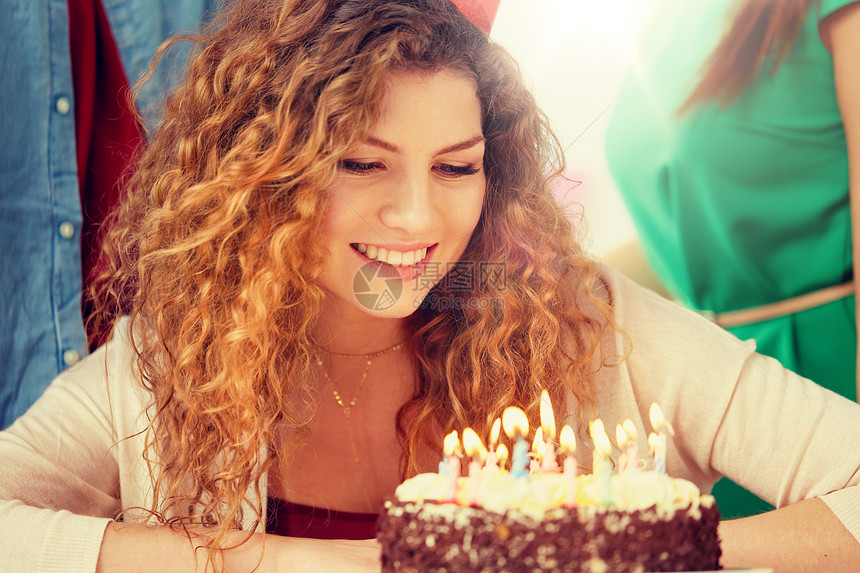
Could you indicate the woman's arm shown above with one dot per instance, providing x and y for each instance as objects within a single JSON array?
[
  {"x": 790, "y": 441},
  {"x": 742, "y": 415},
  {"x": 805, "y": 536},
  {"x": 840, "y": 32},
  {"x": 63, "y": 473},
  {"x": 128, "y": 548},
  {"x": 60, "y": 477}
]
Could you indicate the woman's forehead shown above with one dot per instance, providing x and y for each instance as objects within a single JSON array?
[{"x": 444, "y": 103}]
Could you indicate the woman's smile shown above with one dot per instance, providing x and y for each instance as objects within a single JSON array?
[{"x": 409, "y": 263}]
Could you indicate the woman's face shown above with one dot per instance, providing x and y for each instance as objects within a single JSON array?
[{"x": 406, "y": 200}]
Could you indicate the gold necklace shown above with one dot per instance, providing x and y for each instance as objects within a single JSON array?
[{"x": 347, "y": 410}]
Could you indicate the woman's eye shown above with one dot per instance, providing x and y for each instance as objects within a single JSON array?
[
  {"x": 360, "y": 167},
  {"x": 453, "y": 171}
]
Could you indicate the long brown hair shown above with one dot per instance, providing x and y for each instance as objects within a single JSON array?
[
  {"x": 215, "y": 250},
  {"x": 758, "y": 29}
]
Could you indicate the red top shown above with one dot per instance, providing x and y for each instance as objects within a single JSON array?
[{"x": 295, "y": 520}]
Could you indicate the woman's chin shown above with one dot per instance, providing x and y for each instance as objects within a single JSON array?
[
  {"x": 381, "y": 290},
  {"x": 386, "y": 306}
]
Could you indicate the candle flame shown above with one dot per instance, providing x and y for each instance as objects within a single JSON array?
[
  {"x": 653, "y": 441},
  {"x": 451, "y": 444},
  {"x": 547, "y": 418},
  {"x": 657, "y": 419},
  {"x": 515, "y": 422},
  {"x": 473, "y": 445},
  {"x": 495, "y": 431},
  {"x": 630, "y": 428},
  {"x": 602, "y": 444},
  {"x": 567, "y": 439},
  {"x": 621, "y": 436},
  {"x": 502, "y": 455},
  {"x": 537, "y": 443}
]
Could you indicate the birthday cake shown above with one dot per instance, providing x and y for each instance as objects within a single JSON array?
[
  {"x": 646, "y": 522},
  {"x": 542, "y": 517}
]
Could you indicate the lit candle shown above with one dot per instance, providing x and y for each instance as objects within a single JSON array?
[
  {"x": 549, "y": 463},
  {"x": 537, "y": 452},
  {"x": 476, "y": 450},
  {"x": 502, "y": 454},
  {"x": 632, "y": 445},
  {"x": 621, "y": 438},
  {"x": 516, "y": 426},
  {"x": 654, "y": 444},
  {"x": 492, "y": 464},
  {"x": 663, "y": 428},
  {"x": 451, "y": 446},
  {"x": 568, "y": 448},
  {"x": 602, "y": 466}
]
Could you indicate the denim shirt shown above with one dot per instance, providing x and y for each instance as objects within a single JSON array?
[{"x": 41, "y": 330}]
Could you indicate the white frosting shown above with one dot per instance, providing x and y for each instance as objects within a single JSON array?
[{"x": 539, "y": 493}]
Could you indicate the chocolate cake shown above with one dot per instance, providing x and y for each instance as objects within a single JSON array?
[{"x": 636, "y": 521}]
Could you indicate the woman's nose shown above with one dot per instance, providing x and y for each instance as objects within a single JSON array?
[{"x": 409, "y": 205}]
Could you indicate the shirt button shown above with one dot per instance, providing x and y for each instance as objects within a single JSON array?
[
  {"x": 67, "y": 230},
  {"x": 63, "y": 105},
  {"x": 71, "y": 356}
]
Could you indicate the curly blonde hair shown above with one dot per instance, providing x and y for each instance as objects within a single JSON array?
[{"x": 214, "y": 257}]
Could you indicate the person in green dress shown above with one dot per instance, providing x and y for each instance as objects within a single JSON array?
[{"x": 734, "y": 143}]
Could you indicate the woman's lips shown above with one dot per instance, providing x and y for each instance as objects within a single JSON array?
[
  {"x": 407, "y": 272},
  {"x": 396, "y": 255}
]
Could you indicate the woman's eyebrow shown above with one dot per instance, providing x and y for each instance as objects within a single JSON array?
[{"x": 465, "y": 144}]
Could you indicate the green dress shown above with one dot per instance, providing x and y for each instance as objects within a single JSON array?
[{"x": 742, "y": 205}]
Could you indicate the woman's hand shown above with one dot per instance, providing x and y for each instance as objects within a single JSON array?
[{"x": 804, "y": 536}]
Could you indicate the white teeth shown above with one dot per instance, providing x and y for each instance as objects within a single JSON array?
[{"x": 396, "y": 258}]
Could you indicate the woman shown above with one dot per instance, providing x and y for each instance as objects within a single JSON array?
[
  {"x": 735, "y": 158},
  {"x": 340, "y": 244}
]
